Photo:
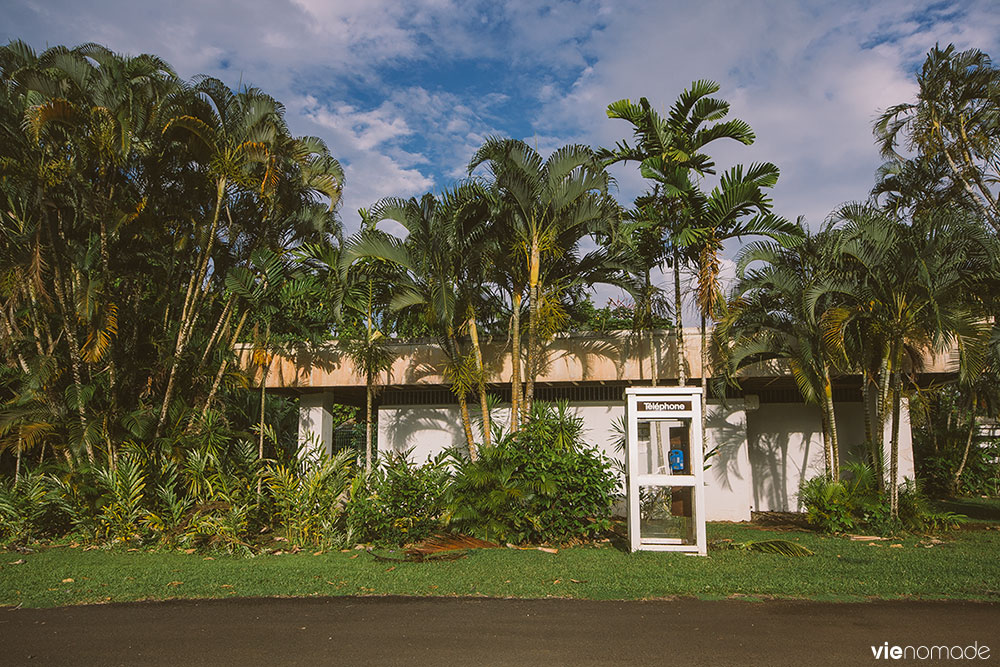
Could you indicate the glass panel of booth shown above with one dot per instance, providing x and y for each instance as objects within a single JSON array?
[
  {"x": 666, "y": 514},
  {"x": 664, "y": 447}
]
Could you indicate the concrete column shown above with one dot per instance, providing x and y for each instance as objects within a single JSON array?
[{"x": 316, "y": 421}]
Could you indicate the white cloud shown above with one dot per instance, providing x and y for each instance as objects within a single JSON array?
[{"x": 808, "y": 76}]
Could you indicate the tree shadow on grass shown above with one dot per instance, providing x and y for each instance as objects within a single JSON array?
[{"x": 981, "y": 509}]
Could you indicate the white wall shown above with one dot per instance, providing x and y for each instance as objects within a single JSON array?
[
  {"x": 426, "y": 431},
  {"x": 728, "y": 480},
  {"x": 786, "y": 447},
  {"x": 423, "y": 431}
]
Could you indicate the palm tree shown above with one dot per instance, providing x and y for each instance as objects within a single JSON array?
[
  {"x": 229, "y": 132},
  {"x": 954, "y": 119},
  {"x": 677, "y": 142},
  {"x": 543, "y": 209},
  {"x": 363, "y": 302},
  {"x": 117, "y": 246},
  {"x": 441, "y": 273},
  {"x": 252, "y": 162},
  {"x": 642, "y": 241},
  {"x": 737, "y": 207},
  {"x": 911, "y": 291},
  {"x": 775, "y": 312}
]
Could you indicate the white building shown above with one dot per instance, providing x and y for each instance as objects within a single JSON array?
[{"x": 766, "y": 441}]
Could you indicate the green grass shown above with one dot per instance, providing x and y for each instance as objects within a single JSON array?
[{"x": 964, "y": 566}]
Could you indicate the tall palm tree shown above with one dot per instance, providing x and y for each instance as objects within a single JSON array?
[
  {"x": 737, "y": 207},
  {"x": 954, "y": 119},
  {"x": 644, "y": 248},
  {"x": 229, "y": 133},
  {"x": 111, "y": 211},
  {"x": 364, "y": 298},
  {"x": 269, "y": 179},
  {"x": 911, "y": 290},
  {"x": 440, "y": 262},
  {"x": 775, "y": 312},
  {"x": 543, "y": 209},
  {"x": 677, "y": 141}
]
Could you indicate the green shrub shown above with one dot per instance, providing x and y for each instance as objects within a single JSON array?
[
  {"x": 123, "y": 488},
  {"x": 539, "y": 484},
  {"x": 397, "y": 502},
  {"x": 22, "y": 506},
  {"x": 828, "y": 505},
  {"x": 855, "y": 503},
  {"x": 981, "y": 475},
  {"x": 308, "y": 504}
]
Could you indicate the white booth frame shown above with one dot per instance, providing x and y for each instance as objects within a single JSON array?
[{"x": 634, "y": 480}]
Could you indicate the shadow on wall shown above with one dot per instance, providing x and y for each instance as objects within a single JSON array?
[
  {"x": 785, "y": 447},
  {"x": 727, "y": 433},
  {"x": 406, "y": 428},
  {"x": 585, "y": 351}
]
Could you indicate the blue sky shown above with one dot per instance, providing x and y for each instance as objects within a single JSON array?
[{"x": 404, "y": 92}]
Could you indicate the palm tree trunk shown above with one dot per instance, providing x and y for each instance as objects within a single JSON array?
[
  {"x": 17, "y": 462},
  {"x": 221, "y": 325},
  {"x": 897, "y": 386},
  {"x": 481, "y": 376},
  {"x": 831, "y": 417},
  {"x": 827, "y": 447},
  {"x": 515, "y": 363},
  {"x": 263, "y": 391},
  {"x": 369, "y": 399},
  {"x": 463, "y": 405},
  {"x": 679, "y": 322},
  {"x": 929, "y": 416},
  {"x": 266, "y": 368},
  {"x": 69, "y": 325},
  {"x": 225, "y": 363},
  {"x": 533, "y": 310},
  {"x": 882, "y": 413},
  {"x": 654, "y": 367},
  {"x": 8, "y": 334},
  {"x": 866, "y": 403},
  {"x": 190, "y": 309},
  {"x": 965, "y": 454},
  {"x": 704, "y": 384}
]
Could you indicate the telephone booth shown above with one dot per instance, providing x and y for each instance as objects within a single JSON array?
[{"x": 665, "y": 469}]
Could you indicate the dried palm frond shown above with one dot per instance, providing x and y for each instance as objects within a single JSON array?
[
  {"x": 440, "y": 543},
  {"x": 781, "y": 547}
]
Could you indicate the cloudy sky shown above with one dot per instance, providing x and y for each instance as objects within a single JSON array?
[{"x": 403, "y": 92}]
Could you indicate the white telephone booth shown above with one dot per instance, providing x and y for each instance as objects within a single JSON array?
[{"x": 665, "y": 469}]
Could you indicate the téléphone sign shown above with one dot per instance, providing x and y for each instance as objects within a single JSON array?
[{"x": 664, "y": 406}]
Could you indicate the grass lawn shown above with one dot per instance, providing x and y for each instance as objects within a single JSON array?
[{"x": 963, "y": 566}]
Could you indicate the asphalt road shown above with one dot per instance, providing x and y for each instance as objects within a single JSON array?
[{"x": 422, "y": 631}]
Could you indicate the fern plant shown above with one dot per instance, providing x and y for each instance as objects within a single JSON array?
[
  {"x": 122, "y": 501},
  {"x": 308, "y": 504},
  {"x": 22, "y": 505}
]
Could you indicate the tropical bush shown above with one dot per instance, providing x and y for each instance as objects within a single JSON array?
[
  {"x": 980, "y": 476},
  {"x": 309, "y": 501},
  {"x": 855, "y": 503},
  {"x": 22, "y": 505},
  {"x": 541, "y": 483},
  {"x": 398, "y": 502},
  {"x": 827, "y": 504}
]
